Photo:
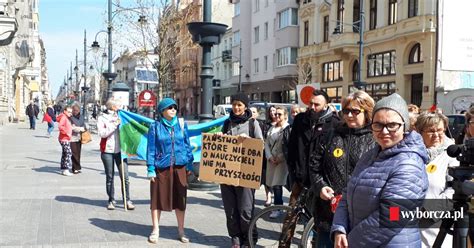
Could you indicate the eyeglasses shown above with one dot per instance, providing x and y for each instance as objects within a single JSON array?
[
  {"x": 433, "y": 132},
  {"x": 391, "y": 126},
  {"x": 354, "y": 112},
  {"x": 172, "y": 107}
]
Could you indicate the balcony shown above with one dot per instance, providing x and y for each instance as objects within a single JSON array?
[{"x": 226, "y": 55}]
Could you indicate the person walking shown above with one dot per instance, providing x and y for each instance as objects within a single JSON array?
[
  {"x": 108, "y": 130},
  {"x": 239, "y": 201},
  {"x": 392, "y": 173},
  {"x": 432, "y": 127},
  {"x": 65, "y": 133},
  {"x": 305, "y": 130},
  {"x": 78, "y": 126},
  {"x": 169, "y": 162},
  {"x": 50, "y": 118},
  {"x": 331, "y": 165},
  {"x": 277, "y": 170},
  {"x": 32, "y": 111}
]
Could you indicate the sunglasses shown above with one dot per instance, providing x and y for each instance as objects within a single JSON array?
[
  {"x": 354, "y": 112},
  {"x": 172, "y": 107}
]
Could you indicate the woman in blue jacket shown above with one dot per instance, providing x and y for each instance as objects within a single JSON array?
[
  {"x": 386, "y": 180},
  {"x": 169, "y": 160}
]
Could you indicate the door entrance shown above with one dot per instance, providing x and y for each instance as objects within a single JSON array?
[{"x": 416, "y": 89}]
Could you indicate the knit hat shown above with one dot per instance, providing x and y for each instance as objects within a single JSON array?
[
  {"x": 166, "y": 102},
  {"x": 396, "y": 103},
  {"x": 241, "y": 97}
]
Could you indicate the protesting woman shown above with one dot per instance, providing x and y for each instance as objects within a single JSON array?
[
  {"x": 108, "y": 130},
  {"x": 432, "y": 126},
  {"x": 78, "y": 126},
  {"x": 169, "y": 161},
  {"x": 332, "y": 164},
  {"x": 277, "y": 170},
  {"x": 239, "y": 201},
  {"x": 392, "y": 173}
]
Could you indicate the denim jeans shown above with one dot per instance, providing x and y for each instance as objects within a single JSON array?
[
  {"x": 32, "y": 122},
  {"x": 108, "y": 160},
  {"x": 324, "y": 240},
  {"x": 50, "y": 127},
  {"x": 277, "y": 195}
]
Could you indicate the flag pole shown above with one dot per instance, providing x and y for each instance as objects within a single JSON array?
[{"x": 123, "y": 185}]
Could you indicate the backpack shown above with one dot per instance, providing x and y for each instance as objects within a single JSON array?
[{"x": 226, "y": 127}]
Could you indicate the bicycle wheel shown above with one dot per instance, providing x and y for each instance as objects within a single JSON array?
[
  {"x": 266, "y": 228},
  {"x": 309, "y": 235}
]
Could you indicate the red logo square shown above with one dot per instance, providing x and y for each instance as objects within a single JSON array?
[{"x": 394, "y": 214}]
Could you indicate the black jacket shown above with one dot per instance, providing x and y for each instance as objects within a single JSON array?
[
  {"x": 32, "y": 110},
  {"x": 333, "y": 163},
  {"x": 302, "y": 142}
]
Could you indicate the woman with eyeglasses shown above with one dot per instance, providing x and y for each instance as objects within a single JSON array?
[
  {"x": 389, "y": 178},
  {"x": 332, "y": 164},
  {"x": 169, "y": 162},
  {"x": 277, "y": 170},
  {"x": 432, "y": 126}
]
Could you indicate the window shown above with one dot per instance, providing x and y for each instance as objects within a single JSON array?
[
  {"x": 381, "y": 64},
  {"x": 334, "y": 93},
  {"x": 255, "y": 65},
  {"x": 287, "y": 56},
  {"x": 237, "y": 9},
  {"x": 373, "y": 14},
  {"x": 288, "y": 17},
  {"x": 355, "y": 71},
  {"x": 265, "y": 30},
  {"x": 378, "y": 90},
  {"x": 326, "y": 29},
  {"x": 235, "y": 68},
  {"x": 332, "y": 71},
  {"x": 256, "y": 31},
  {"x": 306, "y": 1},
  {"x": 306, "y": 33},
  {"x": 392, "y": 12},
  {"x": 265, "y": 63},
  {"x": 257, "y": 5},
  {"x": 236, "y": 38},
  {"x": 356, "y": 16},
  {"x": 415, "y": 54},
  {"x": 412, "y": 8},
  {"x": 340, "y": 15}
]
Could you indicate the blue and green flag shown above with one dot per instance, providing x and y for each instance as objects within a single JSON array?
[{"x": 134, "y": 131}]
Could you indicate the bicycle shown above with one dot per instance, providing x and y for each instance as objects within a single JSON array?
[
  {"x": 309, "y": 234},
  {"x": 266, "y": 230}
]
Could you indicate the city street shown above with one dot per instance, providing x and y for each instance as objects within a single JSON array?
[{"x": 41, "y": 208}]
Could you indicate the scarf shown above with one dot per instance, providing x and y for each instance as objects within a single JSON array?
[
  {"x": 239, "y": 119},
  {"x": 77, "y": 120},
  {"x": 169, "y": 124},
  {"x": 434, "y": 152}
]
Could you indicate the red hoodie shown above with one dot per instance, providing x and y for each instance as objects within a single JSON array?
[{"x": 65, "y": 128}]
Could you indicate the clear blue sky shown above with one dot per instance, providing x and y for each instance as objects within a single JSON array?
[{"x": 62, "y": 24}]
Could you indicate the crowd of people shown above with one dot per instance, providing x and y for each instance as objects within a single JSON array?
[{"x": 353, "y": 161}]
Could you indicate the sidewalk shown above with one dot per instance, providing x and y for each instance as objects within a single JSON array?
[{"x": 41, "y": 208}]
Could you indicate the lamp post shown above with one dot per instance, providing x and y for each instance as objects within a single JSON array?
[
  {"x": 240, "y": 66},
  {"x": 359, "y": 84}
]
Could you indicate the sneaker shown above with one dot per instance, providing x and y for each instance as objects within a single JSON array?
[
  {"x": 111, "y": 206},
  {"x": 130, "y": 205},
  {"x": 183, "y": 238},
  {"x": 66, "y": 173},
  {"x": 274, "y": 214},
  {"x": 76, "y": 171}
]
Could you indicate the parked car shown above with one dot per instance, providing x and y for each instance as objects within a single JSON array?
[
  {"x": 222, "y": 110},
  {"x": 456, "y": 125}
]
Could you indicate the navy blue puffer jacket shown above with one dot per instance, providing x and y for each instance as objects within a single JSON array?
[{"x": 395, "y": 173}]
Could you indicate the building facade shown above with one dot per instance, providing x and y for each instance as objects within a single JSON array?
[{"x": 399, "y": 47}]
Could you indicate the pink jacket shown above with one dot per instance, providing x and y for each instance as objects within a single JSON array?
[{"x": 65, "y": 128}]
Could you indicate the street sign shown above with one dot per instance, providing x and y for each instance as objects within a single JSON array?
[{"x": 146, "y": 98}]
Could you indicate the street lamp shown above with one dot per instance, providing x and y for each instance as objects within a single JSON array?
[{"x": 359, "y": 25}]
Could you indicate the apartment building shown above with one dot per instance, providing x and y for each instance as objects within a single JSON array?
[
  {"x": 399, "y": 47},
  {"x": 265, "y": 35}
]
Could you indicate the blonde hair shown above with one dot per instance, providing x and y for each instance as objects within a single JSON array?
[
  {"x": 412, "y": 108},
  {"x": 112, "y": 102},
  {"x": 428, "y": 119},
  {"x": 365, "y": 102}
]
